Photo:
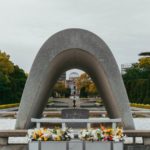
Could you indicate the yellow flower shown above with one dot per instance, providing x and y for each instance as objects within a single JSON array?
[
  {"x": 40, "y": 133},
  {"x": 45, "y": 138},
  {"x": 34, "y": 136}
]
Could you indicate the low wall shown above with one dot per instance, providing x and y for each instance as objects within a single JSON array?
[
  {"x": 14, "y": 147},
  {"x": 5, "y": 145},
  {"x": 136, "y": 147},
  {"x": 126, "y": 147}
]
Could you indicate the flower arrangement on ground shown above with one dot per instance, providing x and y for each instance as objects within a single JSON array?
[{"x": 45, "y": 134}]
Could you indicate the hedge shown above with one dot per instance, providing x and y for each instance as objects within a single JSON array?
[
  {"x": 9, "y": 105},
  {"x": 145, "y": 106}
]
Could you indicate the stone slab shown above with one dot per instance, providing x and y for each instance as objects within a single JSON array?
[
  {"x": 14, "y": 147},
  {"x": 146, "y": 141},
  {"x": 75, "y": 114},
  {"x": 3, "y": 141},
  {"x": 136, "y": 147}
]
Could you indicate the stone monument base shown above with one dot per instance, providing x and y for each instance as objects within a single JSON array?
[{"x": 75, "y": 114}]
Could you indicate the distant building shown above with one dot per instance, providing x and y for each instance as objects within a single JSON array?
[
  {"x": 73, "y": 75},
  {"x": 124, "y": 67},
  {"x": 71, "y": 83}
]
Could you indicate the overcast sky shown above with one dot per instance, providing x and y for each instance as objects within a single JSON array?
[{"x": 26, "y": 24}]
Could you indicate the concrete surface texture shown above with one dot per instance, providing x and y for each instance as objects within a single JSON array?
[
  {"x": 14, "y": 147},
  {"x": 25, "y": 147},
  {"x": 67, "y": 49},
  {"x": 75, "y": 114}
]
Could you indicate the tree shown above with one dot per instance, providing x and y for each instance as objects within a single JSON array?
[
  {"x": 144, "y": 63},
  {"x": 137, "y": 81},
  {"x": 60, "y": 90},
  {"x": 12, "y": 80},
  {"x": 83, "y": 92},
  {"x": 83, "y": 81},
  {"x": 86, "y": 86},
  {"x": 6, "y": 66},
  {"x": 4, "y": 89},
  {"x": 92, "y": 89},
  {"x": 18, "y": 79},
  {"x": 144, "y": 54},
  {"x": 67, "y": 92}
]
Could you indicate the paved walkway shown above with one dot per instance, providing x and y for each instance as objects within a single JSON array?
[
  {"x": 79, "y": 102},
  {"x": 10, "y": 109}
]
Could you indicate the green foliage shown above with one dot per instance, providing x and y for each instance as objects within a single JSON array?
[
  {"x": 137, "y": 81},
  {"x": 12, "y": 80},
  {"x": 18, "y": 79},
  {"x": 59, "y": 90},
  {"x": 86, "y": 86},
  {"x": 6, "y": 66},
  {"x": 67, "y": 92},
  {"x": 83, "y": 92},
  {"x": 144, "y": 62}
]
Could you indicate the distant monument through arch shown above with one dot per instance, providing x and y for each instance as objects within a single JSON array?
[{"x": 67, "y": 49}]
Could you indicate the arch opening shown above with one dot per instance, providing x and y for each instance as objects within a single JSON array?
[{"x": 80, "y": 60}]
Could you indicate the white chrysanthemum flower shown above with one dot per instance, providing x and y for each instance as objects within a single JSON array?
[{"x": 116, "y": 139}]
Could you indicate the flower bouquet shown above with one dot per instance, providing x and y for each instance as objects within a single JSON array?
[
  {"x": 101, "y": 134},
  {"x": 102, "y": 138},
  {"x": 46, "y": 134}
]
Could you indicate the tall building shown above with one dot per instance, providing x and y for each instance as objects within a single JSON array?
[{"x": 71, "y": 83}]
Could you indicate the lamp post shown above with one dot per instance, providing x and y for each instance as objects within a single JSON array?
[{"x": 74, "y": 96}]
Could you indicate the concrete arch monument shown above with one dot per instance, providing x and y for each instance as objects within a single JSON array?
[{"x": 74, "y": 48}]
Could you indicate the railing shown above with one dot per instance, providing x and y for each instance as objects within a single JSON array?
[{"x": 64, "y": 121}]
